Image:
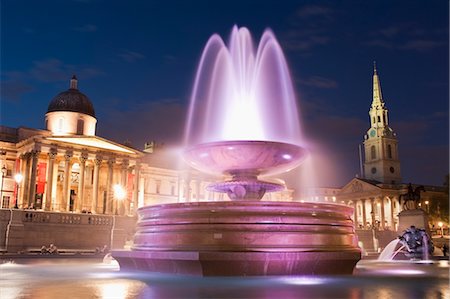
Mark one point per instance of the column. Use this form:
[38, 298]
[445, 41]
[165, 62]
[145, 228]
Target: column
[80, 196]
[22, 189]
[382, 212]
[355, 213]
[48, 194]
[65, 201]
[364, 216]
[122, 205]
[32, 190]
[392, 214]
[109, 181]
[26, 179]
[136, 187]
[97, 164]
[372, 213]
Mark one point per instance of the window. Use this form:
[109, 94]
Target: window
[373, 153]
[5, 202]
[80, 127]
[389, 151]
[374, 170]
[384, 118]
[60, 124]
[379, 118]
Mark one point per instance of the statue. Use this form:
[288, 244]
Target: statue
[417, 243]
[412, 197]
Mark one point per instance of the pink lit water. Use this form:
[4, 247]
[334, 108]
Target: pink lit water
[243, 92]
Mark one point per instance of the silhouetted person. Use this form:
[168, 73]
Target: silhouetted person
[445, 249]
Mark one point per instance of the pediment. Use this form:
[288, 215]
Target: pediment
[357, 185]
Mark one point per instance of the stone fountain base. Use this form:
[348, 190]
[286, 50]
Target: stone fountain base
[243, 238]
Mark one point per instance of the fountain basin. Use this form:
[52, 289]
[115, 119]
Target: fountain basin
[244, 161]
[245, 158]
[243, 238]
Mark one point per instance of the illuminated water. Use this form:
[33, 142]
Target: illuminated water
[69, 279]
[242, 92]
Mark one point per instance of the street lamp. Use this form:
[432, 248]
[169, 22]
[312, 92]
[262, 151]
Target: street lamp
[4, 170]
[119, 193]
[18, 178]
[440, 224]
[427, 206]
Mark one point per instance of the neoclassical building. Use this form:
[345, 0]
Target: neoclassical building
[67, 167]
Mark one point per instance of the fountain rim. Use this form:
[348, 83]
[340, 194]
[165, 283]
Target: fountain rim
[239, 142]
[317, 206]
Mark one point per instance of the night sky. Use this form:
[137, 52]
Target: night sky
[136, 61]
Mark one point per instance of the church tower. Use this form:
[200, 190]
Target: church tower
[381, 161]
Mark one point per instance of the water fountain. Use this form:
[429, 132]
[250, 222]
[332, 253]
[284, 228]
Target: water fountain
[243, 125]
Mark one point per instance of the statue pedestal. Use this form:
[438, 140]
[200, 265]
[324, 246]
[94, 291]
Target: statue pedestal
[416, 217]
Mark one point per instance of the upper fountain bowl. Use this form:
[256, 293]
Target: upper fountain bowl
[245, 158]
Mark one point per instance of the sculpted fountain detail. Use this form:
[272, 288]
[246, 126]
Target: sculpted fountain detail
[243, 125]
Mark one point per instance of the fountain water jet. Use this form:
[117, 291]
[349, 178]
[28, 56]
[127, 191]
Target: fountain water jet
[243, 124]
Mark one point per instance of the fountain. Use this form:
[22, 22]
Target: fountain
[243, 125]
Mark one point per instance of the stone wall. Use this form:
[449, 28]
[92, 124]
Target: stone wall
[22, 230]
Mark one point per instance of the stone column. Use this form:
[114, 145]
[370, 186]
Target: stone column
[372, 213]
[32, 191]
[355, 213]
[392, 214]
[48, 194]
[109, 181]
[382, 213]
[97, 164]
[65, 202]
[136, 187]
[23, 189]
[122, 205]
[364, 216]
[80, 196]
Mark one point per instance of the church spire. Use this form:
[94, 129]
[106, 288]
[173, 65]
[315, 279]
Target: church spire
[377, 96]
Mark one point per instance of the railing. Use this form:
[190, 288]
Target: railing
[65, 218]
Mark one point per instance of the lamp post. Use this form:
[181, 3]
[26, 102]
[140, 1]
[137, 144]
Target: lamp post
[119, 194]
[427, 205]
[3, 179]
[18, 178]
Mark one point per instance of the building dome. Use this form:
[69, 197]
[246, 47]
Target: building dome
[72, 100]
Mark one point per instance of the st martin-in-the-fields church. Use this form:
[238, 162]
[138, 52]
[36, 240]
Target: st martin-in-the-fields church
[377, 196]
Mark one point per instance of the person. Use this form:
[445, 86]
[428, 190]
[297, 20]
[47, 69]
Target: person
[445, 249]
[44, 250]
[52, 249]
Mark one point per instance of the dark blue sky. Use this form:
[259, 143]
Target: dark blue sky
[136, 61]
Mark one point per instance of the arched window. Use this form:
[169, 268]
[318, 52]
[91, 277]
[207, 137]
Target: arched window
[80, 127]
[389, 151]
[373, 153]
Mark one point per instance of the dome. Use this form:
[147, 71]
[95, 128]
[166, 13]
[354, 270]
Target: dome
[72, 100]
